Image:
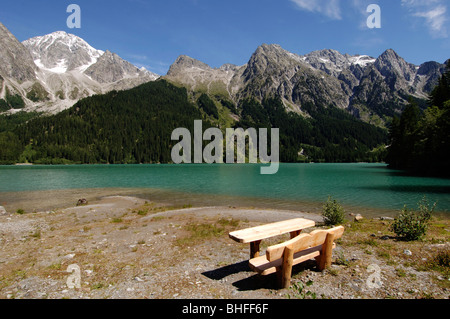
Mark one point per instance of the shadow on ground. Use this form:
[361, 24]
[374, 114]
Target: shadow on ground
[252, 280]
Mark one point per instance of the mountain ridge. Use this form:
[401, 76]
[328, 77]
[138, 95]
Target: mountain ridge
[372, 89]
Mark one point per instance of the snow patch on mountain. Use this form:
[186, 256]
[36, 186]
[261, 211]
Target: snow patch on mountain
[362, 60]
[61, 66]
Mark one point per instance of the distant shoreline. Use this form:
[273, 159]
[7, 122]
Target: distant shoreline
[50, 200]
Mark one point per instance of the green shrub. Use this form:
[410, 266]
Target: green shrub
[4, 105]
[441, 263]
[299, 291]
[333, 213]
[37, 93]
[11, 102]
[14, 101]
[412, 225]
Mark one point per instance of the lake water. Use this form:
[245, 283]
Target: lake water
[366, 188]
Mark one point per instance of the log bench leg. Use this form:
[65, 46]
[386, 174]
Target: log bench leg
[284, 272]
[286, 268]
[254, 249]
[326, 253]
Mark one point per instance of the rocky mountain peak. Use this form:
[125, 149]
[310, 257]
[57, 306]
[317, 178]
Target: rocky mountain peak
[389, 61]
[229, 67]
[268, 48]
[111, 68]
[275, 54]
[329, 54]
[185, 63]
[51, 73]
[271, 59]
[389, 54]
[60, 52]
[334, 63]
[429, 67]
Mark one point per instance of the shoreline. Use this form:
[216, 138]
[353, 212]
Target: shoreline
[50, 200]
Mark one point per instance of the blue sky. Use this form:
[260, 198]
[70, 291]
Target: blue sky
[153, 33]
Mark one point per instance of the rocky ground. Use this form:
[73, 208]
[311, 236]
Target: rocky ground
[126, 248]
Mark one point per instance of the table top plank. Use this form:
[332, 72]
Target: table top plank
[270, 230]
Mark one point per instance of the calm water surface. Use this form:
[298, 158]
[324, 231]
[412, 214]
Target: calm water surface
[369, 188]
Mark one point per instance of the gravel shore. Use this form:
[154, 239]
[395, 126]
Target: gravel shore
[122, 247]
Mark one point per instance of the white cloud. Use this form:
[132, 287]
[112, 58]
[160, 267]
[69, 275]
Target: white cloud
[435, 19]
[329, 8]
[433, 11]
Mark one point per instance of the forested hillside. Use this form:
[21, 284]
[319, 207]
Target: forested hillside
[328, 135]
[135, 126]
[131, 126]
[420, 140]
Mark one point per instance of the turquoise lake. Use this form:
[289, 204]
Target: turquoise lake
[369, 188]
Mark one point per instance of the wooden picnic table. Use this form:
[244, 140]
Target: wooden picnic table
[255, 235]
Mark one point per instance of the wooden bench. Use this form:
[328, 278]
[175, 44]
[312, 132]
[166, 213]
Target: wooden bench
[255, 235]
[280, 258]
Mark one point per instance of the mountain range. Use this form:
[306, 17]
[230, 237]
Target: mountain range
[51, 73]
[373, 89]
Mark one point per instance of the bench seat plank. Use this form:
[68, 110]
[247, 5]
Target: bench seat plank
[270, 230]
